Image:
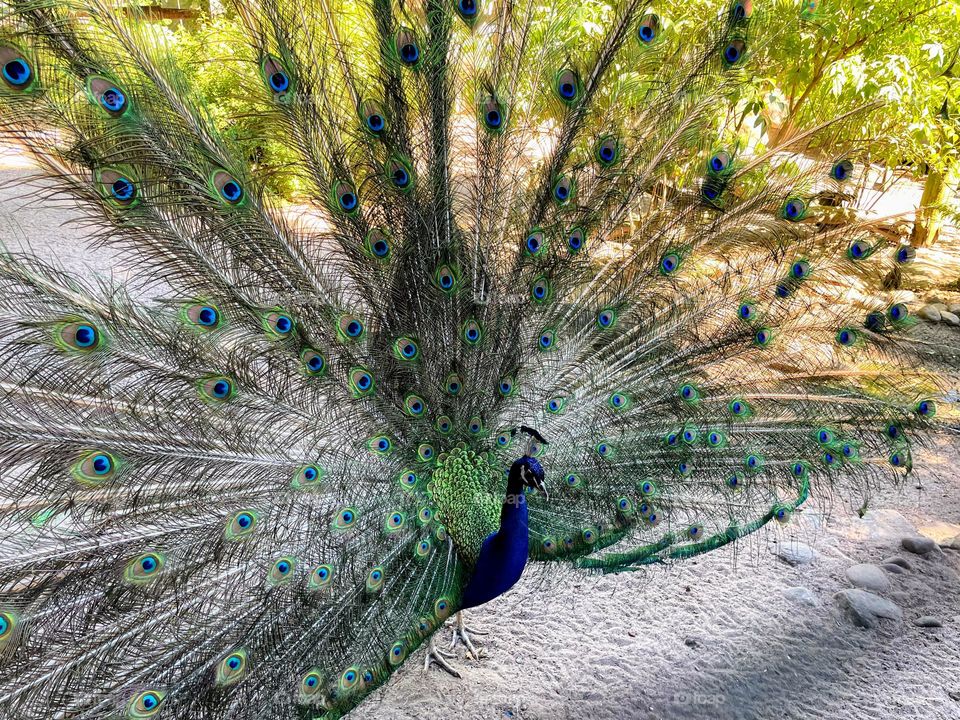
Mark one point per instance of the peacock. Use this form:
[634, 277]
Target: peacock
[552, 303]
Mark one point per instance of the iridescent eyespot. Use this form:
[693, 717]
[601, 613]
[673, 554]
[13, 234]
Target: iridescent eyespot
[606, 318]
[311, 684]
[695, 532]
[349, 679]
[453, 384]
[619, 401]
[672, 439]
[374, 117]
[825, 436]
[468, 10]
[753, 463]
[474, 426]
[683, 469]
[227, 187]
[444, 425]
[205, 316]
[399, 173]
[145, 704]
[321, 577]
[763, 337]
[307, 476]
[547, 340]
[408, 49]
[118, 188]
[648, 488]
[716, 439]
[407, 479]
[900, 458]
[240, 525]
[350, 327]
[846, 337]
[276, 77]
[733, 482]
[556, 405]
[689, 393]
[442, 608]
[493, 114]
[232, 668]
[563, 190]
[905, 254]
[504, 439]
[16, 69]
[625, 506]
[926, 408]
[800, 270]
[424, 516]
[446, 278]
[345, 519]
[414, 405]
[143, 569]
[423, 549]
[471, 332]
[109, 97]
[426, 452]
[549, 545]
[607, 151]
[669, 263]
[278, 324]
[344, 198]
[894, 431]
[850, 451]
[794, 209]
[898, 313]
[734, 52]
[540, 290]
[394, 521]
[739, 407]
[746, 311]
[720, 163]
[377, 243]
[94, 468]
[690, 435]
[781, 513]
[375, 580]
[859, 250]
[605, 450]
[567, 85]
[216, 389]
[398, 651]
[282, 571]
[361, 382]
[589, 535]
[381, 445]
[314, 364]
[506, 387]
[406, 349]
[842, 170]
[783, 290]
[649, 28]
[535, 243]
[575, 239]
[799, 469]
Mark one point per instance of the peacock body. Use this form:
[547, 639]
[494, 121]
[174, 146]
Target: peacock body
[256, 492]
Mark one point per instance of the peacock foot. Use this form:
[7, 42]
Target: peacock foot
[462, 634]
[436, 656]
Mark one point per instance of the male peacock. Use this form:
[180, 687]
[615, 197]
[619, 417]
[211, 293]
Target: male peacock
[559, 307]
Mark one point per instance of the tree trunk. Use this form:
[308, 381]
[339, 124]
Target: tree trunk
[926, 227]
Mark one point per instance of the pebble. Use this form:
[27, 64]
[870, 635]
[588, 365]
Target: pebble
[899, 561]
[929, 312]
[866, 609]
[796, 553]
[895, 569]
[919, 545]
[928, 621]
[868, 576]
[949, 318]
[954, 308]
[801, 595]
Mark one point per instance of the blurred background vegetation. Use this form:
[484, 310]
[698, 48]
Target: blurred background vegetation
[816, 60]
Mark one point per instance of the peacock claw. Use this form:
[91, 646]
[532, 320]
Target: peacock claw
[462, 635]
[435, 655]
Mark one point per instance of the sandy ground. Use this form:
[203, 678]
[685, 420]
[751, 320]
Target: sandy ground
[729, 635]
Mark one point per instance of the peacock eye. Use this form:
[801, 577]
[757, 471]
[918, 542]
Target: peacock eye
[349, 678]
[345, 198]
[846, 337]
[926, 408]
[607, 151]
[321, 577]
[493, 114]
[228, 188]
[506, 386]
[540, 290]
[240, 525]
[467, 9]
[107, 95]
[425, 451]
[375, 580]
[669, 263]
[361, 382]
[276, 77]
[406, 349]
[345, 519]
[762, 337]
[575, 240]
[446, 278]
[720, 163]
[858, 250]
[842, 170]
[794, 210]
[278, 324]
[740, 11]
[649, 28]
[474, 425]
[314, 364]
[414, 405]
[399, 173]
[800, 270]
[898, 312]
[408, 49]
[394, 521]
[217, 389]
[311, 684]
[282, 571]
[377, 243]
[563, 190]
[606, 318]
[232, 668]
[472, 333]
[734, 51]
[535, 243]
[556, 405]
[781, 514]
[567, 86]
[453, 384]
[350, 327]
[17, 72]
[547, 340]
[905, 254]
[202, 315]
[145, 704]
[118, 188]
[374, 117]
[143, 569]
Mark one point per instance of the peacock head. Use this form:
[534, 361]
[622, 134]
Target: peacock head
[528, 472]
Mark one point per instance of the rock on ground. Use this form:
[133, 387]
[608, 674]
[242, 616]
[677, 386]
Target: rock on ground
[869, 577]
[866, 609]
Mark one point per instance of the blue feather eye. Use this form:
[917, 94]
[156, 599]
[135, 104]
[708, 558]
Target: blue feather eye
[506, 386]
[361, 382]
[426, 451]
[408, 49]
[763, 337]
[374, 117]
[926, 408]
[145, 704]
[619, 401]
[556, 405]
[311, 685]
[739, 408]
[453, 384]
[648, 29]
[216, 388]
[406, 349]
[669, 263]
[345, 519]
[689, 393]
[607, 152]
[444, 425]
[540, 290]
[468, 10]
[400, 173]
[278, 324]
[381, 445]
[747, 311]
[711, 189]
[800, 270]
[78, 336]
[781, 513]
[846, 337]
[118, 188]
[740, 11]
[547, 339]
[349, 327]
[563, 190]
[414, 405]
[606, 318]
[493, 114]
[898, 313]
[203, 315]
[535, 243]
[905, 254]
[859, 250]
[734, 52]
[475, 425]
[232, 668]
[794, 210]
[471, 332]
[344, 198]
[575, 240]
[107, 95]
[17, 72]
[240, 525]
[307, 476]
[567, 85]
[277, 78]
[314, 364]
[875, 321]
[720, 163]
[842, 170]
[143, 569]
[377, 243]
[447, 278]
[227, 187]
[94, 468]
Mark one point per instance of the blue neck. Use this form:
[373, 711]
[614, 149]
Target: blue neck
[504, 553]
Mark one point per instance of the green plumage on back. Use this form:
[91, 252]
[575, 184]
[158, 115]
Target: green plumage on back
[468, 493]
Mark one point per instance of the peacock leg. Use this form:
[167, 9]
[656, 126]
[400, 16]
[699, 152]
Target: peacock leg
[462, 634]
[435, 655]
